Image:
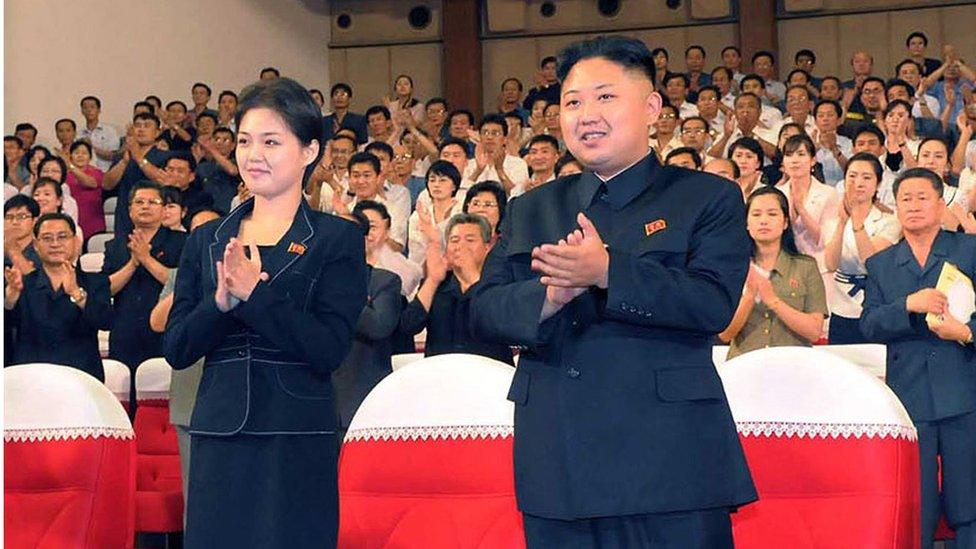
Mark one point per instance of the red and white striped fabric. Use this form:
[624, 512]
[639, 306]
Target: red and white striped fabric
[427, 461]
[831, 449]
[69, 461]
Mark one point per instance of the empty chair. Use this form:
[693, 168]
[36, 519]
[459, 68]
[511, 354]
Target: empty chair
[92, 262]
[109, 205]
[117, 379]
[96, 243]
[399, 361]
[103, 343]
[159, 488]
[427, 461]
[832, 452]
[110, 223]
[69, 461]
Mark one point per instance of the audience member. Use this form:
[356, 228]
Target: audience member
[695, 66]
[684, 157]
[428, 222]
[85, 182]
[747, 154]
[488, 200]
[341, 117]
[542, 157]
[66, 132]
[833, 149]
[491, 162]
[723, 167]
[732, 60]
[547, 84]
[676, 88]
[218, 172]
[764, 64]
[141, 159]
[19, 213]
[769, 115]
[200, 94]
[664, 139]
[916, 43]
[378, 252]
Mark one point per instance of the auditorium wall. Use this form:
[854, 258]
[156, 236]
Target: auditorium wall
[55, 51]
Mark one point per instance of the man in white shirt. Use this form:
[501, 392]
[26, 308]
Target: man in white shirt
[676, 88]
[732, 60]
[336, 172]
[103, 138]
[764, 64]
[925, 106]
[745, 124]
[365, 184]
[710, 108]
[542, 157]
[722, 79]
[799, 103]
[833, 149]
[769, 116]
[491, 162]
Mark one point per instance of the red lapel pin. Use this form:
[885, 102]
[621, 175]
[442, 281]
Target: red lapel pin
[655, 226]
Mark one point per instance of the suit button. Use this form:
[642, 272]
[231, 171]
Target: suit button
[573, 373]
[575, 323]
[242, 353]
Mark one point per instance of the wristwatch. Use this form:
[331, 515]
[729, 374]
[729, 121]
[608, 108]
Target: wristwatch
[82, 294]
[144, 161]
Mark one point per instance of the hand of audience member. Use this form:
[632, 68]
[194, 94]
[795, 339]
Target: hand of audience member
[15, 285]
[848, 96]
[962, 121]
[760, 286]
[426, 222]
[798, 198]
[537, 123]
[481, 157]
[435, 263]
[565, 265]
[540, 79]
[139, 246]
[948, 328]
[339, 206]
[859, 213]
[927, 300]
[827, 140]
[498, 160]
[69, 282]
[950, 96]
[242, 274]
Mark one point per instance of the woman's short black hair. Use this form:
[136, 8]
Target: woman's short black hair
[795, 142]
[494, 188]
[892, 105]
[171, 195]
[787, 240]
[293, 104]
[870, 159]
[48, 182]
[55, 216]
[833, 104]
[750, 144]
[57, 160]
[629, 53]
[79, 144]
[381, 146]
[917, 34]
[565, 159]
[377, 207]
[445, 169]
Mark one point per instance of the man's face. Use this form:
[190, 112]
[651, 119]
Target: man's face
[722, 167]
[694, 134]
[720, 79]
[869, 143]
[542, 157]
[492, 137]
[378, 124]
[179, 173]
[55, 243]
[763, 66]
[510, 91]
[177, 113]
[364, 182]
[403, 161]
[436, 113]
[676, 91]
[896, 93]
[12, 151]
[797, 79]
[918, 206]
[549, 72]
[90, 110]
[224, 142]
[805, 62]
[18, 222]
[682, 160]
[752, 86]
[455, 155]
[227, 104]
[798, 104]
[871, 95]
[695, 60]
[386, 164]
[145, 131]
[200, 95]
[340, 99]
[731, 59]
[830, 89]
[708, 104]
[205, 126]
[28, 137]
[827, 119]
[606, 111]
[342, 149]
[146, 209]
[460, 125]
[909, 73]
[747, 112]
[465, 246]
[861, 64]
[66, 132]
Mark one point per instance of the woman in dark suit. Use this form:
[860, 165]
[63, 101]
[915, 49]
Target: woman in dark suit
[270, 295]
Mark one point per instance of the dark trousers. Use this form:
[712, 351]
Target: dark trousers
[954, 439]
[845, 331]
[706, 529]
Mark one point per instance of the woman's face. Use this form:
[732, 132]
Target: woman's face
[403, 86]
[552, 117]
[766, 222]
[80, 157]
[485, 204]
[35, 160]
[746, 160]
[172, 215]
[934, 156]
[538, 108]
[860, 181]
[52, 170]
[798, 163]
[440, 187]
[660, 61]
[897, 117]
[789, 132]
[272, 160]
[47, 199]
[378, 230]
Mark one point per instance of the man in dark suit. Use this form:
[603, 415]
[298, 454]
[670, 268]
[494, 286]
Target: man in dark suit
[341, 117]
[931, 364]
[623, 434]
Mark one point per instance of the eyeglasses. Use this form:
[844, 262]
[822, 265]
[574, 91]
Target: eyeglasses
[693, 131]
[17, 217]
[483, 204]
[147, 202]
[435, 111]
[340, 93]
[707, 99]
[552, 115]
[49, 238]
[405, 156]
[668, 116]
[492, 133]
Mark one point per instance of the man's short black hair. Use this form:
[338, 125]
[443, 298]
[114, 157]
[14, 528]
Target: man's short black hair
[805, 89]
[567, 158]
[919, 173]
[270, 69]
[145, 104]
[695, 47]
[461, 112]
[677, 76]
[799, 71]
[151, 98]
[764, 53]
[884, 86]
[497, 119]
[204, 86]
[748, 95]
[711, 88]
[206, 114]
[722, 68]
[452, 141]
[546, 60]
[68, 120]
[656, 51]
[830, 77]
[733, 48]
[871, 129]
[224, 129]
[183, 156]
[629, 53]
[98, 102]
[917, 34]
[175, 103]
[378, 109]
[225, 93]
[341, 86]
[695, 157]
[834, 104]
[512, 79]
[380, 146]
[444, 168]
[377, 207]
[147, 116]
[436, 101]
[365, 158]
[144, 184]
[54, 216]
[696, 118]
[805, 53]
[752, 76]
[15, 139]
[22, 201]
[894, 82]
[25, 127]
[544, 138]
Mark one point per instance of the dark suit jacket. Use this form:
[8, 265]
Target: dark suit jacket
[618, 407]
[934, 379]
[370, 359]
[52, 329]
[269, 360]
[354, 121]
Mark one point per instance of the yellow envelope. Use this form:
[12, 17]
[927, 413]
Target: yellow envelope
[958, 288]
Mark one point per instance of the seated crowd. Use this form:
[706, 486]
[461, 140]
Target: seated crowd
[815, 157]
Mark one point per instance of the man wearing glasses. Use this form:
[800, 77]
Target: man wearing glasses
[57, 299]
[137, 264]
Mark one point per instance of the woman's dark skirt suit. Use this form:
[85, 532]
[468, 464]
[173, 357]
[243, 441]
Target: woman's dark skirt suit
[264, 446]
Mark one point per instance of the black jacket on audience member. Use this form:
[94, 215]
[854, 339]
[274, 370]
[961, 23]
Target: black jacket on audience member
[370, 359]
[353, 121]
[52, 329]
[447, 323]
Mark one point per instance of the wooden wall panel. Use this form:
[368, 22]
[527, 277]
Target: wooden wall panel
[382, 22]
[423, 63]
[368, 71]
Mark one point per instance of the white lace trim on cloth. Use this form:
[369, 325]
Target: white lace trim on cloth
[824, 430]
[65, 433]
[428, 432]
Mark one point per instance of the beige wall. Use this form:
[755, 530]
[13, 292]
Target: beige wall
[56, 51]
[371, 70]
[834, 38]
